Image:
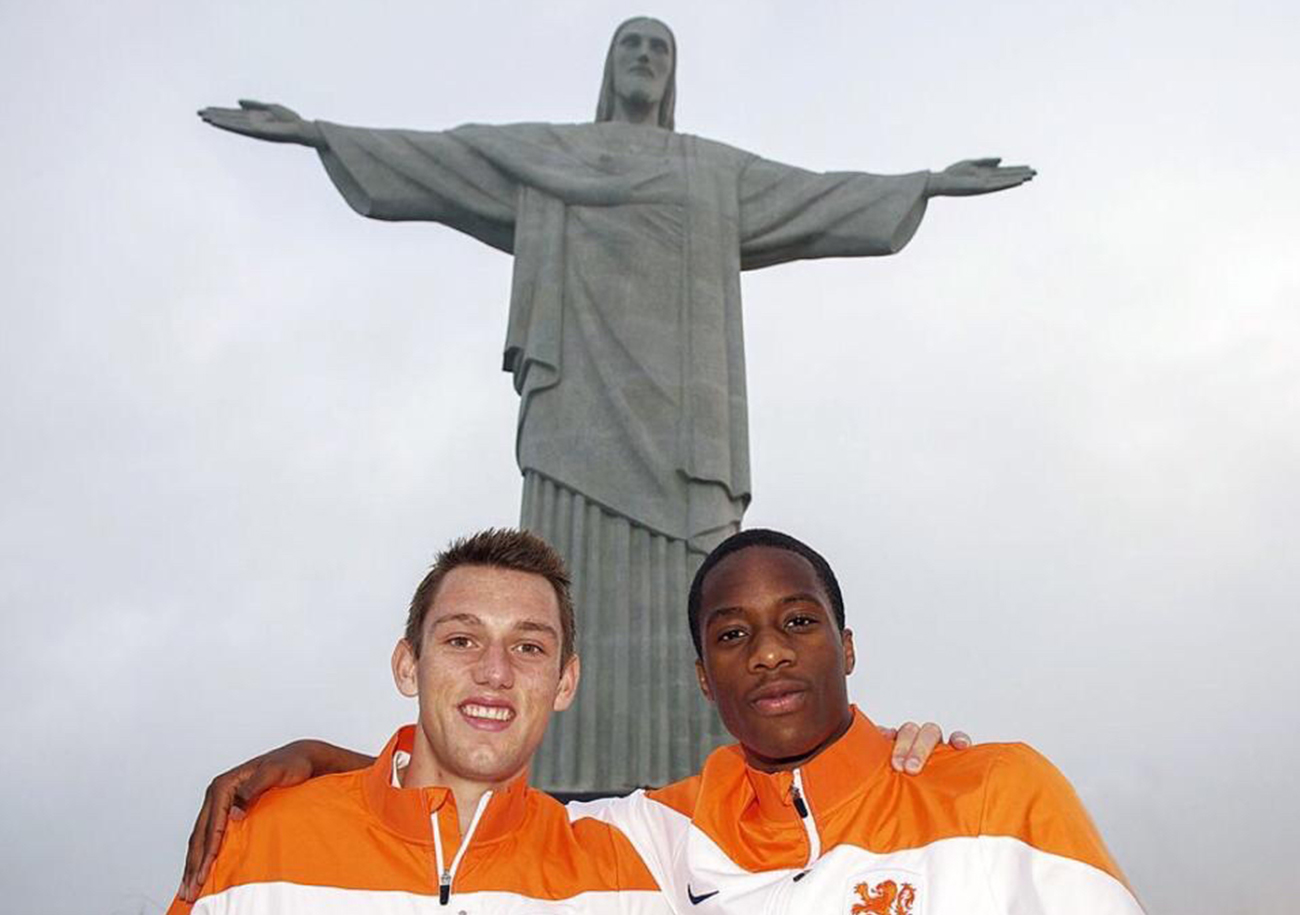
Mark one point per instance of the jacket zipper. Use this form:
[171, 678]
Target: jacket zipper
[448, 873]
[805, 815]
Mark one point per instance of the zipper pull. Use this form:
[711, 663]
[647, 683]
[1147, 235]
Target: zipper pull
[444, 887]
[799, 805]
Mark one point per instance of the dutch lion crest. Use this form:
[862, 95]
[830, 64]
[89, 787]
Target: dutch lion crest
[885, 898]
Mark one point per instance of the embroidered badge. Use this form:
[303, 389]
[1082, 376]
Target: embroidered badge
[885, 897]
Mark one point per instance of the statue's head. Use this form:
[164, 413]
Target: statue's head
[640, 69]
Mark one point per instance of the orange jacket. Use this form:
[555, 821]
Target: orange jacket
[992, 829]
[352, 843]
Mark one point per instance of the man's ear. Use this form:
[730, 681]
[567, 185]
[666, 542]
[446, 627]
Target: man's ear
[704, 681]
[850, 657]
[569, 678]
[404, 666]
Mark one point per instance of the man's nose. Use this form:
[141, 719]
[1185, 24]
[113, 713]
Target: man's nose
[770, 649]
[493, 667]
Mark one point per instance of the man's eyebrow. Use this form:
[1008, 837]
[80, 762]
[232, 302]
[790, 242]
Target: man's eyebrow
[467, 618]
[472, 620]
[804, 597]
[721, 612]
[799, 597]
[537, 626]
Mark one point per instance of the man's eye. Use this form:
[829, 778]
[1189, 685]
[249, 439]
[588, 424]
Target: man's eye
[460, 641]
[802, 621]
[530, 648]
[730, 635]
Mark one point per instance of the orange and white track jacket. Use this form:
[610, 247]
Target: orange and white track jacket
[352, 844]
[989, 830]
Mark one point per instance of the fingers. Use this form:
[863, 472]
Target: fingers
[1003, 182]
[1019, 174]
[223, 117]
[913, 746]
[226, 118]
[887, 733]
[206, 837]
[266, 776]
[929, 737]
[216, 828]
[982, 176]
[959, 740]
[194, 851]
[210, 114]
[201, 876]
[1000, 179]
[278, 112]
[903, 746]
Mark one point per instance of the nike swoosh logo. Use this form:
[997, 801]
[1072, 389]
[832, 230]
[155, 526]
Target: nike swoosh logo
[696, 900]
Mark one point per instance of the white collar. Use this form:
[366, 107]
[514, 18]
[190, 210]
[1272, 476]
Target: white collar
[401, 759]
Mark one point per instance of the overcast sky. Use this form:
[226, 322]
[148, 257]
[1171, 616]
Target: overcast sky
[1053, 448]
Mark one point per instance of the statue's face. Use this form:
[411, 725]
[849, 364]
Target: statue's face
[643, 58]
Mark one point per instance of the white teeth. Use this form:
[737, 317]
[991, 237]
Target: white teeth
[495, 713]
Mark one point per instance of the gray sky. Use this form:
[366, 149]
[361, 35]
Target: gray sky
[1052, 448]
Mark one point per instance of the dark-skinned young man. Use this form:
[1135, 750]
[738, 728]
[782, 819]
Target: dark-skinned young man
[805, 813]
[806, 711]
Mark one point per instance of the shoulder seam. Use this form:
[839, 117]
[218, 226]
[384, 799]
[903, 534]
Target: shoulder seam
[979, 832]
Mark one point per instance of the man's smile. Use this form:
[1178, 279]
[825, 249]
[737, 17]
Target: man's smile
[486, 713]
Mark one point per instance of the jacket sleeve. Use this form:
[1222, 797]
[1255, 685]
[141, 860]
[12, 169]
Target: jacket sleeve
[655, 832]
[1039, 847]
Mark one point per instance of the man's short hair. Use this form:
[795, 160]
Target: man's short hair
[497, 548]
[760, 536]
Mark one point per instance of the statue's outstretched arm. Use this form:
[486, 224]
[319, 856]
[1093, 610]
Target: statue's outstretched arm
[976, 176]
[263, 121]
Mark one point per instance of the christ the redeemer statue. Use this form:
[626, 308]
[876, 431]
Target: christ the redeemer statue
[624, 340]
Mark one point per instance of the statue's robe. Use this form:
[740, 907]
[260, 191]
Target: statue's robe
[626, 347]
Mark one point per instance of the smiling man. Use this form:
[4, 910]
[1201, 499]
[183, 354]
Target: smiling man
[805, 813]
[488, 653]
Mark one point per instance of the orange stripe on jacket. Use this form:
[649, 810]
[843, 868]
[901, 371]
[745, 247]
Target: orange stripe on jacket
[858, 799]
[356, 831]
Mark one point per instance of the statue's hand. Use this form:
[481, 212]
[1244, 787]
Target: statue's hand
[977, 176]
[275, 123]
